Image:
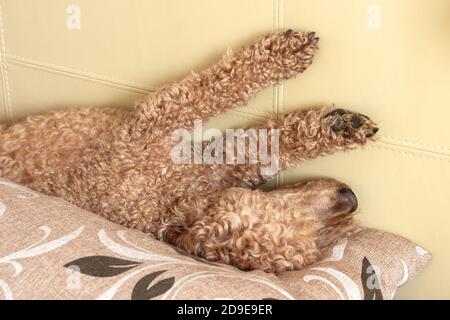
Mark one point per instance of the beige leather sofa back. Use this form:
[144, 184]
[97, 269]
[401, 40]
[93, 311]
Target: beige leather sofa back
[388, 59]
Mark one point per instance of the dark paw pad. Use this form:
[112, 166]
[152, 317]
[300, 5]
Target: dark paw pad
[338, 125]
[356, 121]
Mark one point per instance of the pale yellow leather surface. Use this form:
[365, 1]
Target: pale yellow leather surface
[398, 74]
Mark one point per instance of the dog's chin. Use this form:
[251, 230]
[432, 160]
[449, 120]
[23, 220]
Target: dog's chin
[341, 211]
[340, 216]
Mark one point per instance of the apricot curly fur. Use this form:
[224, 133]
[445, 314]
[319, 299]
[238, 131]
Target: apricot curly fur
[117, 164]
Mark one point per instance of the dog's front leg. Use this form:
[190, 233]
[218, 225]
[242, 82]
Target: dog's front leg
[310, 133]
[254, 155]
[231, 82]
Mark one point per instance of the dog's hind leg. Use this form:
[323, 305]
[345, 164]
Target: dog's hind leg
[44, 145]
[229, 83]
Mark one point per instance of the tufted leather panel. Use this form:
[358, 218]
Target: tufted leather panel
[388, 59]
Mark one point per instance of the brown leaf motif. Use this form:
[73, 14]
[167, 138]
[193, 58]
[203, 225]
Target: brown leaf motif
[102, 266]
[144, 291]
[370, 281]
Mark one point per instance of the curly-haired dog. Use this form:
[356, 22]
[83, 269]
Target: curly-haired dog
[117, 164]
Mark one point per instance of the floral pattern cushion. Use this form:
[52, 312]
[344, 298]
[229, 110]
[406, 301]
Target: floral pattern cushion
[50, 249]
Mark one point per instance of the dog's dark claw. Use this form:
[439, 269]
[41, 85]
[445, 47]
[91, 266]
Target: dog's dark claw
[372, 133]
[289, 33]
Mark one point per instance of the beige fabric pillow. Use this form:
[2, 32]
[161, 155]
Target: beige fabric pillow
[50, 249]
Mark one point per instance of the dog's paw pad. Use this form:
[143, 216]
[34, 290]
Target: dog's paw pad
[356, 121]
[350, 125]
[292, 49]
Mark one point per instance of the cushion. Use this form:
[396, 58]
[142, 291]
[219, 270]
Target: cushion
[51, 249]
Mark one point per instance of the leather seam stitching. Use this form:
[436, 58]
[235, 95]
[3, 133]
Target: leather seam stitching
[245, 115]
[6, 94]
[416, 143]
[79, 74]
[413, 153]
[278, 22]
[95, 78]
[100, 79]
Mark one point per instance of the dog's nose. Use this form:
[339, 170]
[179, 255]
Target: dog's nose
[348, 196]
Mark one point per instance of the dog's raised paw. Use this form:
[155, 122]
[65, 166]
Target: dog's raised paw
[292, 50]
[351, 125]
